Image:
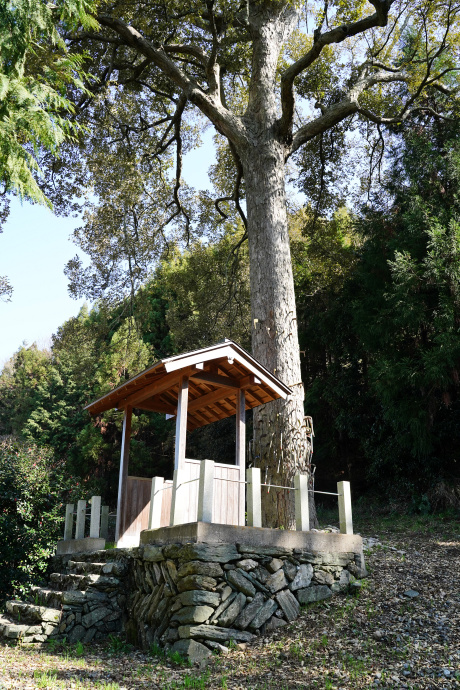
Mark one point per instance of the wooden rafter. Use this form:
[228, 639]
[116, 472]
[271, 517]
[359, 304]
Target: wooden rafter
[154, 388]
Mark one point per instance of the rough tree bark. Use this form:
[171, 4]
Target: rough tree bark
[280, 443]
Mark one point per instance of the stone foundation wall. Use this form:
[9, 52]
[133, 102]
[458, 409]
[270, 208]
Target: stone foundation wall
[193, 598]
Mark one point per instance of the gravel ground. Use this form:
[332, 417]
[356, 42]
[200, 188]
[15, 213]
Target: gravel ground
[401, 630]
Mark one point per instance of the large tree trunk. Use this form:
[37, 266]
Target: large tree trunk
[281, 446]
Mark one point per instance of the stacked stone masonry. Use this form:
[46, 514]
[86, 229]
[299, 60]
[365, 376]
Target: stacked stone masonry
[190, 598]
[193, 598]
[85, 601]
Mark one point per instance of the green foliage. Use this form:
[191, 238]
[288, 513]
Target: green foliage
[388, 383]
[33, 488]
[207, 289]
[33, 101]
[117, 645]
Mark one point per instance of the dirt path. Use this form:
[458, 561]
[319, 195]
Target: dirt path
[385, 637]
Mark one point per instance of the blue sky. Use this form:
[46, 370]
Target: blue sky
[34, 247]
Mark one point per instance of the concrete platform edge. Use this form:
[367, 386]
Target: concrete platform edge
[211, 533]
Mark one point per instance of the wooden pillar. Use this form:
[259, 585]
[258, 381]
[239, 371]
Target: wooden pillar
[181, 423]
[178, 498]
[240, 455]
[345, 516]
[95, 524]
[156, 502]
[205, 491]
[123, 475]
[302, 514]
[254, 497]
[68, 529]
[81, 517]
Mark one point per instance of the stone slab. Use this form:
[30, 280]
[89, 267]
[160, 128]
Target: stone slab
[200, 568]
[212, 533]
[231, 612]
[87, 545]
[265, 612]
[289, 604]
[303, 577]
[198, 597]
[193, 614]
[196, 582]
[213, 632]
[277, 581]
[224, 605]
[240, 582]
[192, 650]
[313, 593]
[250, 612]
[153, 553]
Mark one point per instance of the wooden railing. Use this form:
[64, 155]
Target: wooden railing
[196, 494]
[205, 487]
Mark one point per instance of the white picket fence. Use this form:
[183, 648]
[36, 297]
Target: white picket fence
[253, 498]
[99, 520]
[99, 515]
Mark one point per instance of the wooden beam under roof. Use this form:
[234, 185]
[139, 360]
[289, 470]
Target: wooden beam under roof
[216, 379]
[210, 398]
[155, 405]
[154, 388]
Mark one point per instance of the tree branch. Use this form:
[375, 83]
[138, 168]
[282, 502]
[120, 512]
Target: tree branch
[235, 197]
[329, 118]
[337, 35]
[225, 121]
[349, 105]
[195, 51]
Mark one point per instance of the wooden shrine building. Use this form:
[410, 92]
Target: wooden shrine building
[197, 388]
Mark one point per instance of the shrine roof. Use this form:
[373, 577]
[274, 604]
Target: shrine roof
[216, 374]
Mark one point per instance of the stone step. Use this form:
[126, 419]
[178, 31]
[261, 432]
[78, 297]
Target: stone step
[41, 596]
[75, 581]
[55, 598]
[61, 581]
[26, 633]
[12, 630]
[85, 567]
[25, 612]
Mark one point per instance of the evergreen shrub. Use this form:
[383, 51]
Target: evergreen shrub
[32, 492]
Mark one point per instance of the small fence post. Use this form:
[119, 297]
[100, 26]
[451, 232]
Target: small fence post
[254, 498]
[105, 522]
[68, 528]
[81, 515]
[302, 514]
[345, 516]
[177, 499]
[95, 524]
[206, 491]
[156, 502]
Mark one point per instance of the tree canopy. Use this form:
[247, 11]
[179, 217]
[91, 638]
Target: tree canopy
[332, 75]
